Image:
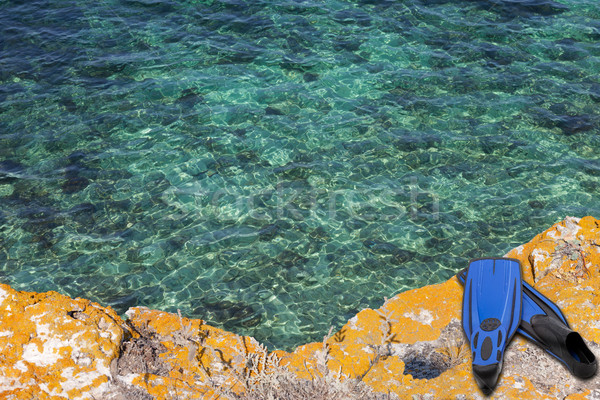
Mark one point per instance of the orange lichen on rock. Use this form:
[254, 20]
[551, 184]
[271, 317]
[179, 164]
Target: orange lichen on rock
[197, 356]
[564, 263]
[52, 345]
[55, 347]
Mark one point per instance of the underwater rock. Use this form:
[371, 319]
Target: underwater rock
[310, 77]
[223, 163]
[345, 44]
[359, 147]
[73, 171]
[295, 170]
[75, 157]
[43, 241]
[75, 184]
[591, 167]
[536, 204]
[511, 9]
[571, 125]
[158, 6]
[8, 171]
[189, 98]
[439, 60]
[293, 63]
[253, 24]
[233, 312]
[379, 247]
[156, 182]
[401, 256]
[568, 50]
[83, 213]
[247, 156]
[558, 115]
[590, 186]
[269, 232]
[352, 17]
[103, 68]
[240, 132]
[238, 55]
[415, 141]
[353, 224]
[440, 245]
[288, 259]
[319, 234]
[69, 104]
[498, 55]
[594, 91]
[40, 220]
[273, 111]
[293, 43]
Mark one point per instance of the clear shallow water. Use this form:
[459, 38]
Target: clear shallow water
[274, 167]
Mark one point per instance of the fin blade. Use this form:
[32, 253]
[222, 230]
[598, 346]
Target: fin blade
[491, 314]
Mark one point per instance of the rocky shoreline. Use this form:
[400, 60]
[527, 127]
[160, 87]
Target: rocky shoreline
[55, 347]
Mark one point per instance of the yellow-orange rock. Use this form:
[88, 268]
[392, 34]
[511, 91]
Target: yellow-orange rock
[52, 346]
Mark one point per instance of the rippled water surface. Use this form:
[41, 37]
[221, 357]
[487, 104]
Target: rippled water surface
[273, 167]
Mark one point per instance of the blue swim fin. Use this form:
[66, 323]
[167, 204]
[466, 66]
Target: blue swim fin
[543, 323]
[491, 314]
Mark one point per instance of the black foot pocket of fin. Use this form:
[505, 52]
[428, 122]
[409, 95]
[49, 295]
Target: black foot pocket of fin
[566, 345]
[487, 376]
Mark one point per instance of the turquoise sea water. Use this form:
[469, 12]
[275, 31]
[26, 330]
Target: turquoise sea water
[273, 167]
